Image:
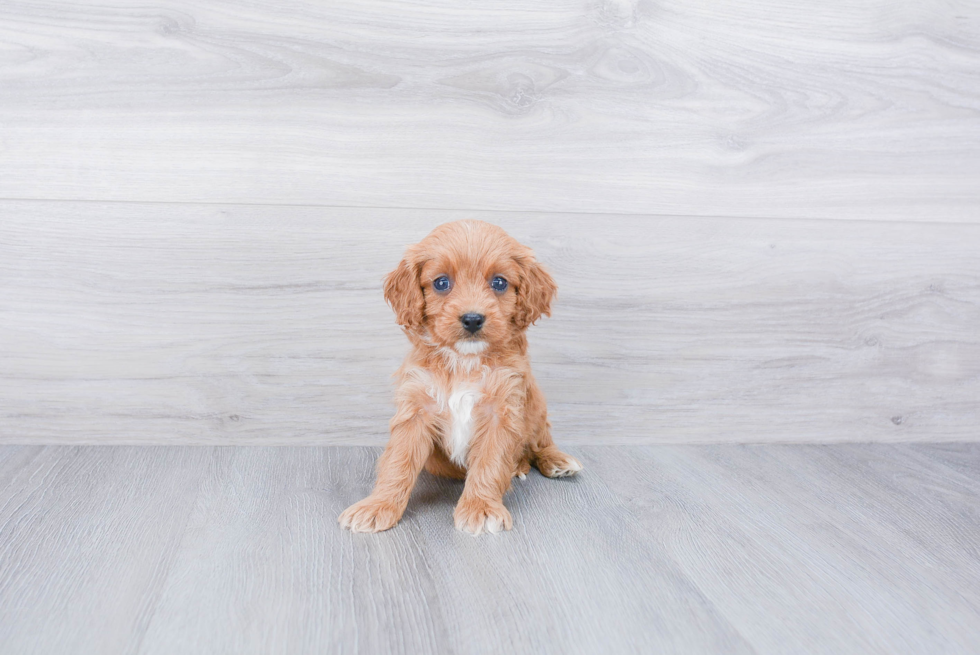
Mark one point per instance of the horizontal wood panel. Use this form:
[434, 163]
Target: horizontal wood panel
[171, 323]
[840, 109]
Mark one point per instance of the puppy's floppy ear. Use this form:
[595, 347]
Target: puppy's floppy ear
[403, 291]
[535, 291]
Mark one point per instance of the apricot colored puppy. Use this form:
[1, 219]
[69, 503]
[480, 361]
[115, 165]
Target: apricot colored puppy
[468, 406]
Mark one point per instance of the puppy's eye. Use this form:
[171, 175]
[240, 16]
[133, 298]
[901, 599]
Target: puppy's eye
[441, 284]
[499, 284]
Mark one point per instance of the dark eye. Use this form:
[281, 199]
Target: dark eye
[441, 283]
[498, 283]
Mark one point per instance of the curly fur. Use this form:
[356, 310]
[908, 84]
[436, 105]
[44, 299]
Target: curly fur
[467, 404]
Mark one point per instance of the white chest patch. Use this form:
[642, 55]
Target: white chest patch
[461, 403]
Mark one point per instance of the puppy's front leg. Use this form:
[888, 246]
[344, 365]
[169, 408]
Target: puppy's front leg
[398, 467]
[491, 463]
[490, 469]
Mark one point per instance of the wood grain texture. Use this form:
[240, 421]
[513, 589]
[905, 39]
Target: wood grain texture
[279, 565]
[166, 323]
[87, 537]
[845, 110]
[737, 549]
[878, 540]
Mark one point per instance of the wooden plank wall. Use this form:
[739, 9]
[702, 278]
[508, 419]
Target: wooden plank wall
[764, 218]
[755, 108]
[260, 324]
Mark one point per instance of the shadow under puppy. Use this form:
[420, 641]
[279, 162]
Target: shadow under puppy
[467, 404]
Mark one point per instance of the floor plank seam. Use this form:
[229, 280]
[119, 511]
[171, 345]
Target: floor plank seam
[172, 563]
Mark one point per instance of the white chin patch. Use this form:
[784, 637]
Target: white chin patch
[470, 347]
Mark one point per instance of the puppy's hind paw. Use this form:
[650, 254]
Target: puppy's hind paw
[522, 470]
[370, 515]
[556, 464]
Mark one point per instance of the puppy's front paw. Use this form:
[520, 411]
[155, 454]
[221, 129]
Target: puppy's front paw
[479, 516]
[370, 515]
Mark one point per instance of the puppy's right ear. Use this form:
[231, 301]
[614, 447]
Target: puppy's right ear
[403, 291]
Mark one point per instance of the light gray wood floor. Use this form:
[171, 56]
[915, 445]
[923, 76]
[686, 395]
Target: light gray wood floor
[655, 549]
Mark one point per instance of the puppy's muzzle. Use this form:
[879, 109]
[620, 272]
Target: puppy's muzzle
[472, 322]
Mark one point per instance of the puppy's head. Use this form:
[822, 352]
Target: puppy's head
[469, 286]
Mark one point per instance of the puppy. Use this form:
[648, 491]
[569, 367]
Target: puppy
[467, 404]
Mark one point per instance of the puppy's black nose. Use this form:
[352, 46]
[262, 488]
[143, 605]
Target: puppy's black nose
[472, 322]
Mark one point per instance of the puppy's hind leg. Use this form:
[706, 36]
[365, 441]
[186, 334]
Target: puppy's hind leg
[543, 454]
[547, 458]
[555, 464]
[523, 467]
[439, 464]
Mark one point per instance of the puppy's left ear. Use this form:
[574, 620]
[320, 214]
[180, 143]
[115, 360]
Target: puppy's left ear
[535, 291]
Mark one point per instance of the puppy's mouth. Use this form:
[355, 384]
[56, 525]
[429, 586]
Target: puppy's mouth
[470, 346]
